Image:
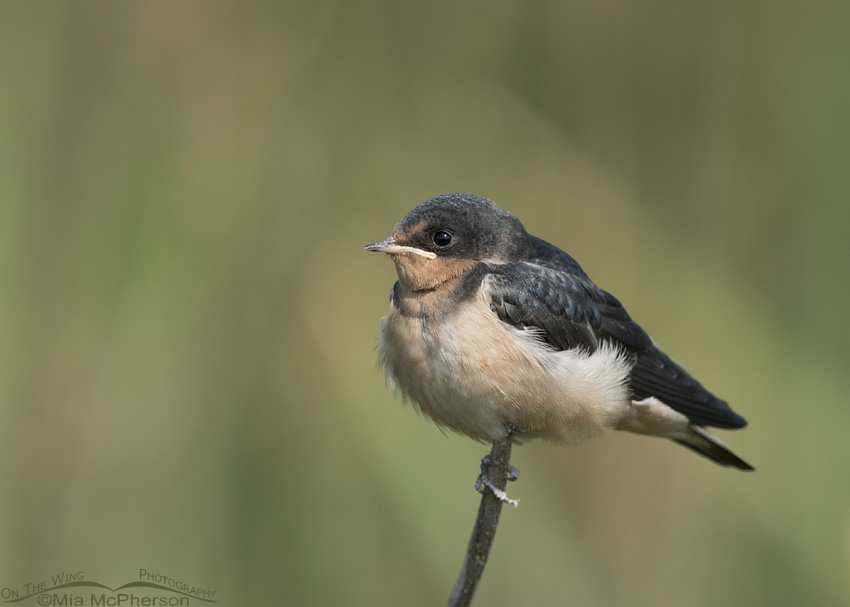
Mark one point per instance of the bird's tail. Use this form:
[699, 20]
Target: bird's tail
[705, 443]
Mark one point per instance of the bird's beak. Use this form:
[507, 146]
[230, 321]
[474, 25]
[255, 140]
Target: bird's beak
[389, 246]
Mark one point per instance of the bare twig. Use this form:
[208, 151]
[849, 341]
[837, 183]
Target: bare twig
[498, 472]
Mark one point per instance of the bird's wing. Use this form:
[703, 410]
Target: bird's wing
[568, 311]
[657, 375]
[566, 308]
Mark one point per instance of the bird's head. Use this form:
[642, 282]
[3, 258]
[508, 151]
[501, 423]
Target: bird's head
[448, 234]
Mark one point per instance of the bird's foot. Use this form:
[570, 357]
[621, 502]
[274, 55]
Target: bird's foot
[483, 483]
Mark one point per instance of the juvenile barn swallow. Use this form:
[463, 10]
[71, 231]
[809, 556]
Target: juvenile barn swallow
[492, 331]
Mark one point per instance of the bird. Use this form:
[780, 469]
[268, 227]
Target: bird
[494, 332]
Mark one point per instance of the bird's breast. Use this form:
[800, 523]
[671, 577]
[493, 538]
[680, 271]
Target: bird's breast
[468, 371]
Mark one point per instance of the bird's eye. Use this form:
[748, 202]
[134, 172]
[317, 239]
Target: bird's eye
[442, 239]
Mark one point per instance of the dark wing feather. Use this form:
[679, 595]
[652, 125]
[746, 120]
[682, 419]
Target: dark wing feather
[553, 295]
[614, 322]
[551, 301]
[656, 374]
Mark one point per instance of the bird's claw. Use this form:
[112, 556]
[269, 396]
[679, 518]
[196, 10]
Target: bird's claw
[483, 483]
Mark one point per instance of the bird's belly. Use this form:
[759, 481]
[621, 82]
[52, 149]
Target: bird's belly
[478, 376]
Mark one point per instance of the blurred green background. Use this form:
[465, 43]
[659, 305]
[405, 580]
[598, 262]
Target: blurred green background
[188, 320]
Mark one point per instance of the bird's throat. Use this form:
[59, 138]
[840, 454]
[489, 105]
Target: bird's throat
[419, 274]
